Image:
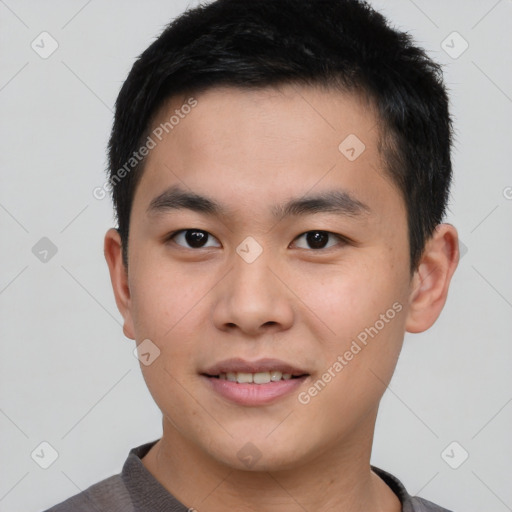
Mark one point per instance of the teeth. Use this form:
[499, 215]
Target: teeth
[261, 378]
[244, 378]
[275, 375]
[256, 378]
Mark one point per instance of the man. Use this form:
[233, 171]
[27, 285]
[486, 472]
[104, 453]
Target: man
[280, 171]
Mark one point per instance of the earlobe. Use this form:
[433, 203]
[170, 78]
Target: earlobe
[113, 250]
[429, 286]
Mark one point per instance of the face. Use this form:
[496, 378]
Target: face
[266, 239]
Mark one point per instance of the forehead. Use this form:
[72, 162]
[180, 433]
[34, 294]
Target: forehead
[285, 116]
[255, 146]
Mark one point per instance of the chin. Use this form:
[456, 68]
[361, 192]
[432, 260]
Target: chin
[260, 453]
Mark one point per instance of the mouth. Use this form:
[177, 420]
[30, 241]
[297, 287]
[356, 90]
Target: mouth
[256, 378]
[254, 383]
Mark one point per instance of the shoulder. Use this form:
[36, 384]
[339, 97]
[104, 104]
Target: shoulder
[409, 503]
[422, 505]
[109, 495]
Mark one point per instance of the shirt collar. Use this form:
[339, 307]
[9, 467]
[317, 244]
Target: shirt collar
[149, 495]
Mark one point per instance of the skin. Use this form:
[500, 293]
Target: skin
[251, 150]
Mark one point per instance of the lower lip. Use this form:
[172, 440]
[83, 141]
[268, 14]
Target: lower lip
[254, 394]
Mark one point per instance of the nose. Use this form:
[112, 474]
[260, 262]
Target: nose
[252, 300]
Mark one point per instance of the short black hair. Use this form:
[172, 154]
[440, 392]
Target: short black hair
[340, 44]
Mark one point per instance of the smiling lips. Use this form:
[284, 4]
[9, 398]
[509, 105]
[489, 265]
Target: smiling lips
[254, 383]
[256, 378]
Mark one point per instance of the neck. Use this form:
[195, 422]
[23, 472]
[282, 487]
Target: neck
[339, 479]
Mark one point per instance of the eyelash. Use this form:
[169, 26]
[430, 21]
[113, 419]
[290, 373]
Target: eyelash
[341, 239]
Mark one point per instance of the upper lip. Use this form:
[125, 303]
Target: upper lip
[236, 365]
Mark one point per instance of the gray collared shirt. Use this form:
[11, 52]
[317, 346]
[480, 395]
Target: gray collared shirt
[135, 489]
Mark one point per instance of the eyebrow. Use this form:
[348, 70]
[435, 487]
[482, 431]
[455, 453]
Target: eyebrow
[333, 201]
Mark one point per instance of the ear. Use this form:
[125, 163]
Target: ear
[113, 249]
[431, 280]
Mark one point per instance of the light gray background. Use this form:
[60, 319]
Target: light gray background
[68, 376]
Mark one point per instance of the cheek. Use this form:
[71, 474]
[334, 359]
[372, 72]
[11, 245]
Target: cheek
[361, 310]
[358, 365]
[167, 309]
[164, 299]
[351, 296]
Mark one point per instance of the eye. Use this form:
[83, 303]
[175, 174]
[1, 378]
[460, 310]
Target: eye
[194, 239]
[317, 240]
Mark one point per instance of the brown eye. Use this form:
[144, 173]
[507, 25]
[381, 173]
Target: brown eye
[318, 240]
[195, 239]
